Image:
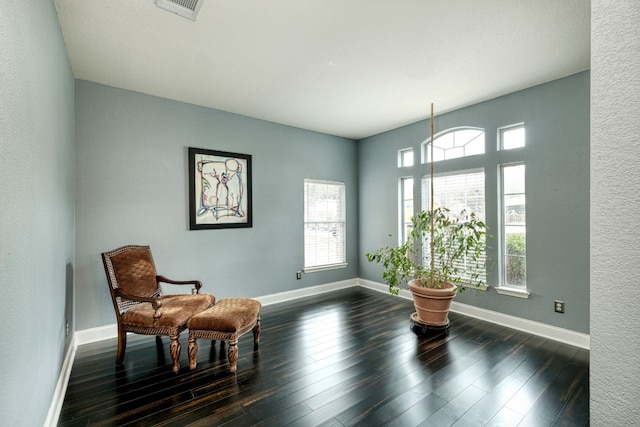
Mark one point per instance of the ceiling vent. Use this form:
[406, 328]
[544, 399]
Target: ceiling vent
[186, 8]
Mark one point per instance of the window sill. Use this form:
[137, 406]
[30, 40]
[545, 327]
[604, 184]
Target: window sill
[317, 268]
[513, 292]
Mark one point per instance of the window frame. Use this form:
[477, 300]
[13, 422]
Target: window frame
[425, 150]
[401, 157]
[490, 162]
[503, 129]
[504, 287]
[342, 263]
[405, 222]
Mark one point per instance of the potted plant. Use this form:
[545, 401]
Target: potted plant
[443, 254]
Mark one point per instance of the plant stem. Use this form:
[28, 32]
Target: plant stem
[432, 242]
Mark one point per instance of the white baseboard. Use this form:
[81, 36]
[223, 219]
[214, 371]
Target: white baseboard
[380, 287]
[306, 292]
[530, 326]
[536, 328]
[102, 333]
[61, 387]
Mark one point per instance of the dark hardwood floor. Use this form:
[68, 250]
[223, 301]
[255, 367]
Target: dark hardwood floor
[346, 358]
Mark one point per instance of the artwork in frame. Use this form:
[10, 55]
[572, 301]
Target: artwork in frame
[219, 189]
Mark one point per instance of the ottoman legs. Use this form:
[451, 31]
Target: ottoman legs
[233, 355]
[192, 351]
[233, 348]
[227, 320]
[256, 332]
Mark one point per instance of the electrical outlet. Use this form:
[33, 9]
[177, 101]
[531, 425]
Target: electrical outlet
[298, 275]
[558, 306]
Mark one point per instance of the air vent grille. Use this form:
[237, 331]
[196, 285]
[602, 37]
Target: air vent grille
[186, 8]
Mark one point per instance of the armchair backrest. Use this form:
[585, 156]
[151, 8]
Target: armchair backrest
[131, 269]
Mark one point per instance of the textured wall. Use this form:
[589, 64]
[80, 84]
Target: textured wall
[615, 214]
[556, 118]
[36, 208]
[132, 189]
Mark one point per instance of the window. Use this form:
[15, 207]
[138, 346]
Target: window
[514, 227]
[512, 137]
[457, 192]
[459, 184]
[324, 225]
[405, 158]
[406, 208]
[455, 143]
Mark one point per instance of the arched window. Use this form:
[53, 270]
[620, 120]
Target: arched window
[454, 143]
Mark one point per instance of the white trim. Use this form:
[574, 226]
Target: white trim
[500, 132]
[324, 181]
[427, 142]
[374, 286]
[311, 259]
[401, 157]
[106, 332]
[380, 287]
[404, 293]
[324, 267]
[530, 326]
[61, 386]
[306, 292]
[102, 333]
[512, 292]
[537, 328]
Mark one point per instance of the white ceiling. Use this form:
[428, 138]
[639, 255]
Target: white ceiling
[351, 68]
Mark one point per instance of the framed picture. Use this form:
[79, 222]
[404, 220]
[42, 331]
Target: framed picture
[219, 189]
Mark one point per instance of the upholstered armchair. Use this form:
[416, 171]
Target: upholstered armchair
[139, 303]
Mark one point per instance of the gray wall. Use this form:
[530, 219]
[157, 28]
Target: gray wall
[37, 201]
[556, 118]
[133, 189]
[615, 198]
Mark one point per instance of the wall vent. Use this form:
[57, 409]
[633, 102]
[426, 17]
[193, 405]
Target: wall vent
[186, 8]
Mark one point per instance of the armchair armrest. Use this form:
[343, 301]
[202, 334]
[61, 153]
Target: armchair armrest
[196, 283]
[155, 302]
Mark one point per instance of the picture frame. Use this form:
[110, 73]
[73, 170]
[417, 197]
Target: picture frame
[219, 189]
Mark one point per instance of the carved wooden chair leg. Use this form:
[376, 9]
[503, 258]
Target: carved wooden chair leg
[175, 352]
[122, 345]
[233, 355]
[193, 352]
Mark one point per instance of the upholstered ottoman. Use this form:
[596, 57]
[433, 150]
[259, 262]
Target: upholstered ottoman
[227, 320]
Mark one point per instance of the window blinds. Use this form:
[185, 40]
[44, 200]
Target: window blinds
[324, 224]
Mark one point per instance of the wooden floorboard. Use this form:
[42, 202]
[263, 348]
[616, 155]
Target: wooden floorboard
[345, 358]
